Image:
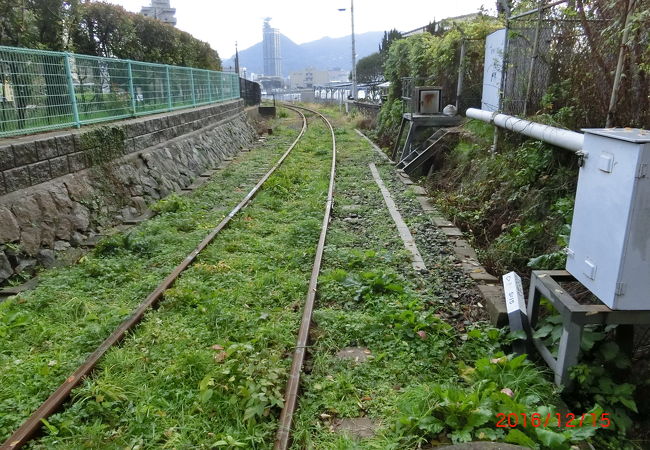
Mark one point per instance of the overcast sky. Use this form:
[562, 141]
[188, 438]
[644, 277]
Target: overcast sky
[222, 22]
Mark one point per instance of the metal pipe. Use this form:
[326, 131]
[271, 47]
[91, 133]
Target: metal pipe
[569, 140]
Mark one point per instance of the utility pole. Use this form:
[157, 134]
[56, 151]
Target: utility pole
[354, 55]
[236, 59]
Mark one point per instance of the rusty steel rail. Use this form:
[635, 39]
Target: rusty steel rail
[33, 424]
[293, 383]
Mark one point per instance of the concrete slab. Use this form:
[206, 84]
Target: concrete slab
[419, 190]
[379, 151]
[442, 222]
[404, 232]
[406, 181]
[359, 427]
[462, 243]
[357, 354]
[495, 303]
[141, 218]
[482, 275]
[451, 231]
[426, 204]
[208, 174]
[465, 252]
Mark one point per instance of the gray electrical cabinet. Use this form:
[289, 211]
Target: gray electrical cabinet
[609, 249]
[427, 100]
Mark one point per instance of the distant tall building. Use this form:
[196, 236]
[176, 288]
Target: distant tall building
[161, 10]
[272, 53]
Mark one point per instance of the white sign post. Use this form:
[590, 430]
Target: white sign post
[516, 306]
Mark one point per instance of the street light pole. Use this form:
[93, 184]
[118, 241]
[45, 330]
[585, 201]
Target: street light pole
[354, 55]
[354, 52]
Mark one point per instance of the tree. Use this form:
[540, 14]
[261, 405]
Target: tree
[386, 41]
[16, 23]
[104, 30]
[370, 69]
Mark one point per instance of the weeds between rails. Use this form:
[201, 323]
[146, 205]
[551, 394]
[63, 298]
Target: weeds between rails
[59, 430]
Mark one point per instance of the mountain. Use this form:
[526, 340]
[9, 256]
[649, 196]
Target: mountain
[326, 53]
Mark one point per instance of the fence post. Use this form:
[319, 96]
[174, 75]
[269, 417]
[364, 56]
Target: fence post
[461, 73]
[131, 90]
[169, 91]
[192, 83]
[210, 85]
[533, 60]
[73, 97]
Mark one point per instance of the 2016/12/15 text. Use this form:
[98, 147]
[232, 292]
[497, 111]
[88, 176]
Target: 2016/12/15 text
[568, 420]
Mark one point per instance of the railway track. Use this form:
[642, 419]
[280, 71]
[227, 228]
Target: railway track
[30, 428]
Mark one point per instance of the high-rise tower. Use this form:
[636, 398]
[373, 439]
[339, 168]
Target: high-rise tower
[161, 10]
[272, 54]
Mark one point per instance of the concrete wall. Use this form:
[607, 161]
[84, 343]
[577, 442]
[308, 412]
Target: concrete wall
[57, 189]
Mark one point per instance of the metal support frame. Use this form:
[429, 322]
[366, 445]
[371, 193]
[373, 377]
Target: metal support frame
[544, 283]
[416, 122]
[399, 138]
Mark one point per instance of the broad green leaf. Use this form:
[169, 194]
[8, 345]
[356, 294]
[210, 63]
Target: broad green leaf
[517, 362]
[550, 438]
[589, 338]
[629, 403]
[609, 350]
[543, 331]
[516, 436]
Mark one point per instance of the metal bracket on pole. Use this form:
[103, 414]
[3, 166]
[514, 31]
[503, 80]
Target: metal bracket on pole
[131, 90]
[73, 96]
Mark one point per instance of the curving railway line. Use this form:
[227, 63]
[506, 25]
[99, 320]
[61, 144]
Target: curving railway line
[58, 399]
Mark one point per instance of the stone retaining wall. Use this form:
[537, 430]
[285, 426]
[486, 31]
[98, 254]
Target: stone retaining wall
[57, 189]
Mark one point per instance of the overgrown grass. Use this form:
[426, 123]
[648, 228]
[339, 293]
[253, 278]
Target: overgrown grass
[425, 383]
[517, 204]
[208, 368]
[48, 332]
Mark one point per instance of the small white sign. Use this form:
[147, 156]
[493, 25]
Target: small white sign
[514, 292]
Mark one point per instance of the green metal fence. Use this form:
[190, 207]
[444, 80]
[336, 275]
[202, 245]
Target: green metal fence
[43, 90]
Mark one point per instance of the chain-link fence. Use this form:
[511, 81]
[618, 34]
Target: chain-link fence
[43, 90]
[561, 61]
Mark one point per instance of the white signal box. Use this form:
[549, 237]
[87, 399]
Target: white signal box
[609, 249]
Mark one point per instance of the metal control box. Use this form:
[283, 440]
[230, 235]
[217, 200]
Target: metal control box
[427, 100]
[609, 249]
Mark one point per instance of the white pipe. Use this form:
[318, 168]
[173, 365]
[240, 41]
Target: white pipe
[566, 139]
